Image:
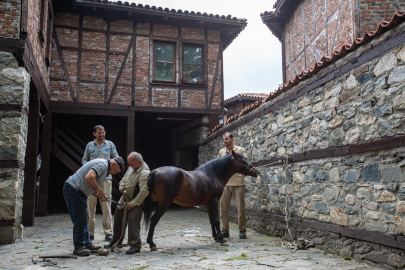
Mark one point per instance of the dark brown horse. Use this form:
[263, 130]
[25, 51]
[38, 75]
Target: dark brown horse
[203, 186]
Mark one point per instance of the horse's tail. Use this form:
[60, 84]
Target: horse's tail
[151, 181]
[147, 208]
[147, 211]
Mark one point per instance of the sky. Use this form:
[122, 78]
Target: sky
[252, 63]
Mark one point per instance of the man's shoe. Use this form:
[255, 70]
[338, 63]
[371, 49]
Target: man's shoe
[90, 246]
[91, 237]
[109, 245]
[132, 251]
[109, 237]
[225, 234]
[81, 251]
[242, 235]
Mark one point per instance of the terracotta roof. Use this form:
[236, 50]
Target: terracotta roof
[325, 61]
[168, 10]
[247, 95]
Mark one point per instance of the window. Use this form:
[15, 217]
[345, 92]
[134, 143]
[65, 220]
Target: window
[164, 62]
[192, 66]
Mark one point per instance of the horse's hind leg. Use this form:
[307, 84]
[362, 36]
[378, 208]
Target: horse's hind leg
[214, 234]
[215, 214]
[162, 207]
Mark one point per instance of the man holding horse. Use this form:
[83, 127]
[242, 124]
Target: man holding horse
[134, 187]
[236, 188]
[84, 183]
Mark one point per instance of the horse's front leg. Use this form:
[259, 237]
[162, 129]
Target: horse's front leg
[214, 234]
[215, 214]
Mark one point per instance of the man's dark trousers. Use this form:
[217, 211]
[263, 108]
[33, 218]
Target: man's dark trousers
[76, 202]
[134, 217]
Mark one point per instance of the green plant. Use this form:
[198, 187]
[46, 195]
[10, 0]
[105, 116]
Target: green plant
[198, 235]
[347, 258]
[241, 257]
[114, 266]
[248, 225]
[317, 251]
[36, 247]
[308, 257]
[226, 250]
[204, 258]
[324, 253]
[178, 248]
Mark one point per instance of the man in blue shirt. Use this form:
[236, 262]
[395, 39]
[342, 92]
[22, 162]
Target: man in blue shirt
[100, 148]
[85, 182]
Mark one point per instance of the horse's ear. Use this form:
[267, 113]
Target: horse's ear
[234, 155]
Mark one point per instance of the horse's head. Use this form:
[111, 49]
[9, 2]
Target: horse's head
[243, 166]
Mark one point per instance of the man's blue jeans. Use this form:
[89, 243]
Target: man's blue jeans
[76, 202]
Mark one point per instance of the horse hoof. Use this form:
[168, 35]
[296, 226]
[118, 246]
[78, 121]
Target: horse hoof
[154, 248]
[225, 244]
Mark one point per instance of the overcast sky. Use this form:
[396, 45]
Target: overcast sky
[252, 63]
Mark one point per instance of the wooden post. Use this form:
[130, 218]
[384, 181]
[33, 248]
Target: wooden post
[214, 120]
[130, 133]
[45, 164]
[30, 183]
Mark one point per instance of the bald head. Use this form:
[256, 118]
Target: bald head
[135, 160]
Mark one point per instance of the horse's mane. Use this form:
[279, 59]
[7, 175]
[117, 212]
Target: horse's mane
[217, 167]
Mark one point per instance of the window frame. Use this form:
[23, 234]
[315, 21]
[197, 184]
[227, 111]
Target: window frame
[194, 45]
[157, 42]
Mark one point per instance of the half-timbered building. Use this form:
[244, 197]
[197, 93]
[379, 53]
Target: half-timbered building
[152, 76]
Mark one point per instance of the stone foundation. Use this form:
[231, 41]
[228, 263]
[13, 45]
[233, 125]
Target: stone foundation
[14, 96]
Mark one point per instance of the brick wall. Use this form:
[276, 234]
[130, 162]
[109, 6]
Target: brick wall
[10, 18]
[93, 66]
[373, 12]
[314, 30]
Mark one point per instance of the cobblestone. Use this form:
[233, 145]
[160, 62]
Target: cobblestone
[53, 235]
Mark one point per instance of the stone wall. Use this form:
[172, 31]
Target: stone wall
[14, 90]
[365, 191]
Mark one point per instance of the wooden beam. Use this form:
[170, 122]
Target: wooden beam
[326, 26]
[336, 26]
[345, 231]
[133, 80]
[30, 182]
[79, 58]
[45, 163]
[62, 61]
[130, 132]
[215, 77]
[107, 62]
[12, 164]
[283, 54]
[214, 120]
[114, 88]
[24, 17]
[179, 66]
[222, 72]
[92, 30]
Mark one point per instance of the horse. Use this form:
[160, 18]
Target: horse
[203, 186]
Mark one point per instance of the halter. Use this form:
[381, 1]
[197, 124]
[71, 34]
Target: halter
[239, 165]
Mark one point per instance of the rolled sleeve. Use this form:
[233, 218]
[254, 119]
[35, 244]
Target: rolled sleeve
[143, 190]
[114, 152]
[100, 168]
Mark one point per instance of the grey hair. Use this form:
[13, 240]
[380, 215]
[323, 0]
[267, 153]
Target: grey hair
[136, 155]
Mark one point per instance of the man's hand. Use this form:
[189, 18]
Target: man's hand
[128, 207]
[122, 188]
[101, 195]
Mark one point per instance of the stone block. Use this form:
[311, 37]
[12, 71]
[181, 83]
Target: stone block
[365, 121]
[401, 207]
[346, 96]
[334, 175]
[309, 176]
[397, 75]
[338, 216]
[353, 136]
[376, 226]
[350, 199]
[351, 82]
[386, 63]
[370, 173]
[335, 123]
[375, 86]
[387, 196]
[387, 207]
[305, 102]
[332, 103]
[318, 107]
[399, 102]
[364, 193]
[369, 205]
[366, 77]
[6, 234]
[350, 177]
[360, 69]
[321, 207]
[392, 174]
[396, 260]
[333, 92]
[383, 110]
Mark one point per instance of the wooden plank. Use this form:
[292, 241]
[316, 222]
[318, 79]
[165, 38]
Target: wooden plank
[179, 66]
[65, 71]
[45, 163]
[48, 36]
[352, 232]
[114, 88]
[67, 161]
[30, 182]
[24, 17]
[283, 55]
[326, 26]
[91, 50]
[63, 146]
[130, 133]
[222, 72]
[215, 78]
[133, 80]
[337, 26]
[206, 67]
[79, 149]
[107, 62]
[79, 58]
[92, 30]
[12, 164]
[214, 120]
